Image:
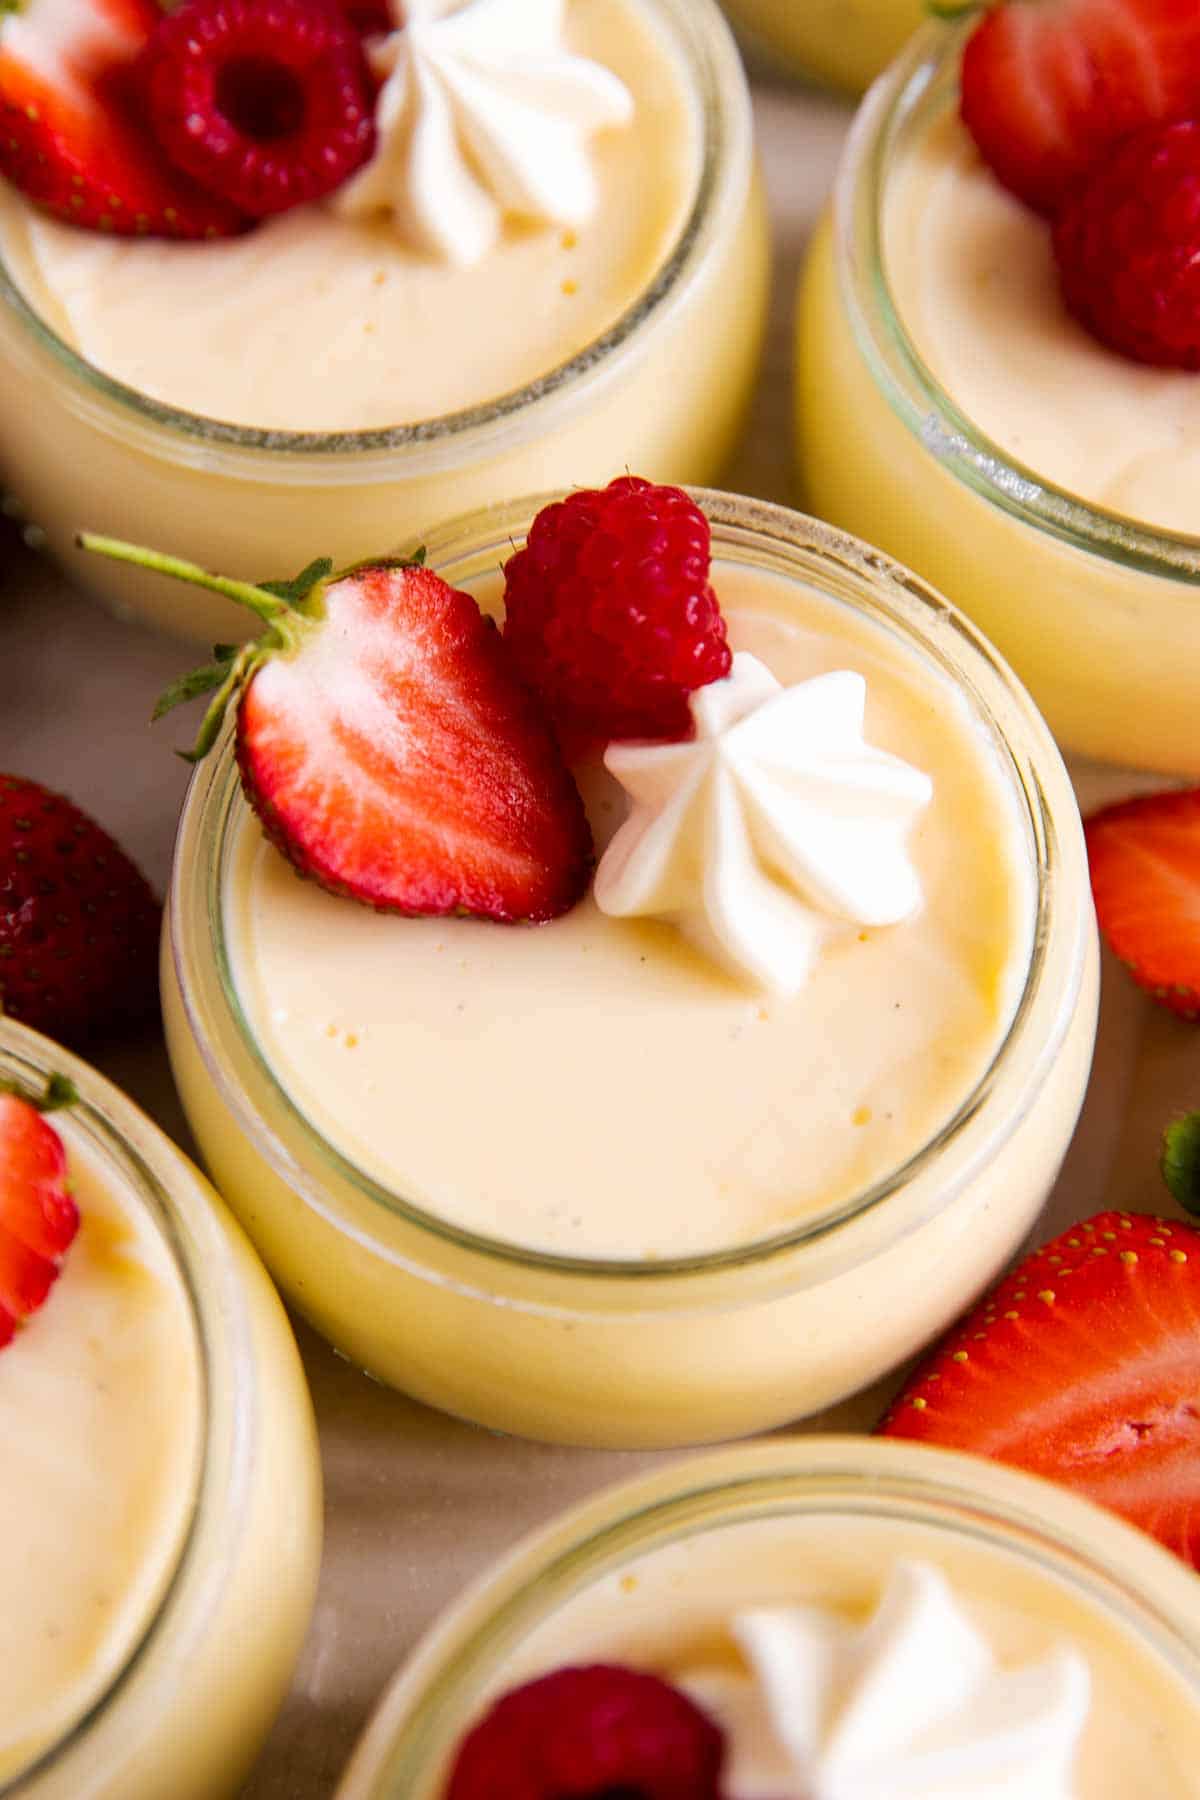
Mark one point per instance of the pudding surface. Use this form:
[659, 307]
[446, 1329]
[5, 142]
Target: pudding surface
[316, 322]
[597, 1088]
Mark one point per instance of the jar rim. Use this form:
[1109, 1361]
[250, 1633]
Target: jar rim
[922, 78]
[818, 1475]
[701, 36]
[801, 546]
[134, 1150]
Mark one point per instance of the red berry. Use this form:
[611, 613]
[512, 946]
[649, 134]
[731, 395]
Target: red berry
[38, 1218]
[78, 923]
[1144, 857]
[1128, 246]
[1083, 1366]
[397, 759]
[610, 615]
[1049, 85]
[72, 132]
[266, 103]
[578, 1734]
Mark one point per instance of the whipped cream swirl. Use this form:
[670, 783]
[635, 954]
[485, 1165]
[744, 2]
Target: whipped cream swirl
[483, 113]
[911, 1706]
[773, 829]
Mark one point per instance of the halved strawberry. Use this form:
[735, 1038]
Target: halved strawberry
[72, 131]
[388, 747]
[1145, 864]
[38, 1218]
[1083, 1366]
[1047, 85]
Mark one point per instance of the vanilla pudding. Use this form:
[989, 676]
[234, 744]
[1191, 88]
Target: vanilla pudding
[160, 1516]
[782, 1162]
[842, 42]
[100, 1409]
[324, 323]
[1089, 1626]
[324, 381]
[951, 410]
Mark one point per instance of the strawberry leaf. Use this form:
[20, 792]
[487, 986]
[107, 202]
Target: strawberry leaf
[296, 591]
[1181, 1161]
[190, 687]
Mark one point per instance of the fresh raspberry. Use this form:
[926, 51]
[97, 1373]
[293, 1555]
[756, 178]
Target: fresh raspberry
[611, 617]
[581, 1733]
[1128, 247]
[266, 103]
[78, 923]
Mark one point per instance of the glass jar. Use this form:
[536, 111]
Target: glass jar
[188, 1708]
[1099, 615]
[666, 389]
[663, 1562]
[670, 1349]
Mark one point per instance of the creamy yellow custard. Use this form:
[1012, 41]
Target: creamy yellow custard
[315, 322]
[672, 275]
[160, 1513]
[950, 410]
[100, 1417]
[655, 1574]
[739, 1114]
[538, 1317]
[843, 42]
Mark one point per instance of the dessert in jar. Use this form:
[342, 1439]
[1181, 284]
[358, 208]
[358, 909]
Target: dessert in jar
[807, 1053]
[955, 407]
[494, 241]
[161, 1504]
[844, 43]
[834, 1617]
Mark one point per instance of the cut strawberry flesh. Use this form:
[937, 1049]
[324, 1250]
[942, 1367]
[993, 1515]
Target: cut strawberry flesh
[1083, 1367]
[38, 1218]
[397, 759]
[1144, 857]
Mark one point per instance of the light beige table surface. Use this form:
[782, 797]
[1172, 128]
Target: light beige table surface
[418, 1504]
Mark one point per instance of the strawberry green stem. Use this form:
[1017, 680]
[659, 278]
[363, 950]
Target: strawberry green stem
[266, 605]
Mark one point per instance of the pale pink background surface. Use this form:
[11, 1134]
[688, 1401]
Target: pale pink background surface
[418, 1504]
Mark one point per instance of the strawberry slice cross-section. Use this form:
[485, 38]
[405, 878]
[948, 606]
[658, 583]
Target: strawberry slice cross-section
[73, 135]
[38, 1217]
[388, 746]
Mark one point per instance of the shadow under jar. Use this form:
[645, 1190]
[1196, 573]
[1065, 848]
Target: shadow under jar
[573, 1181]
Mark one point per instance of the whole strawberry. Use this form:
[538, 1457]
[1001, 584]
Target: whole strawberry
[387, 746]
[1048, 86]
[78, 922]
[610, 614]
